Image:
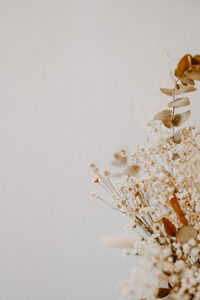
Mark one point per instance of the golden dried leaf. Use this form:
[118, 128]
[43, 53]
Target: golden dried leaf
[167, 123]
[188, 69]
[164, 115]
[181, 118]
[168, 92]
[186, 233]
[179, 102]
[185, 63]
[162, 292]
[196, 60]
[193, 73]
[176, 207]
[185, 89]
[185, 80]
[180, 89]
[169, 227]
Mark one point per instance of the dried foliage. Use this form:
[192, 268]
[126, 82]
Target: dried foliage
[179, 102]
[170, 229]
[162, 292]
[159, 191]
[188, 69]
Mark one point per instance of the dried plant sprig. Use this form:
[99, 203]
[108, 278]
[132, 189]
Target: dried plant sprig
[188, 69]
[159, 191]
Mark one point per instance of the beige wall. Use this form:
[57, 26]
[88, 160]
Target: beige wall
[76, 76]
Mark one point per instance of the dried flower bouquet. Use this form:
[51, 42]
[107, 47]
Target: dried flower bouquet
[159, 191]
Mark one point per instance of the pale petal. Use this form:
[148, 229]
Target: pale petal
[186, 233]
[177, 138]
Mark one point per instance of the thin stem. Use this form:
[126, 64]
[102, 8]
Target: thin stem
[173, 113]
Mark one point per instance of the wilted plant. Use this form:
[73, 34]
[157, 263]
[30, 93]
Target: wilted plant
[159, 191]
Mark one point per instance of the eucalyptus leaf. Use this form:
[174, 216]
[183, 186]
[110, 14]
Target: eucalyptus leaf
[179, 102]
[181, 89]
[193, 73]
[164, 115]
[180, 119]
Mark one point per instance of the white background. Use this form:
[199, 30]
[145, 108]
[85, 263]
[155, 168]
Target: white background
[76, 77]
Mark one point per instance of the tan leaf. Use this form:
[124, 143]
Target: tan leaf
[164, 115]
[181, 118]
[176, 207]
[162, 292]
[168, 92]
[186, 233]
[167, 123]
[185, 63]
[185, 89]
[181, 89]
[188, 69]
[179, 102]
[196, 59]
[186, 80]
[169, 227]
[193, 73]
